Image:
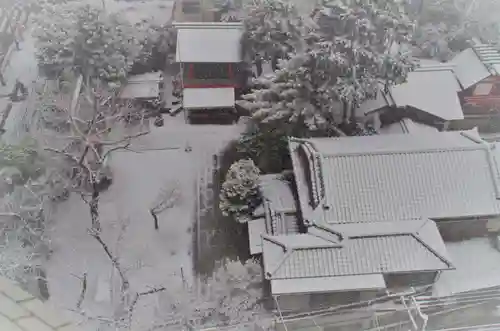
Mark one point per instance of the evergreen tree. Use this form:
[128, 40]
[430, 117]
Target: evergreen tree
[90, 42]
[240, 191]
[273, 28]
[352, 55]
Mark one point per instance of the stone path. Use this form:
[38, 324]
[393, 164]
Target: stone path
[20, 311]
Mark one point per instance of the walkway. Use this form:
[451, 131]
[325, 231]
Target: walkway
[23, 66]
[20, 311]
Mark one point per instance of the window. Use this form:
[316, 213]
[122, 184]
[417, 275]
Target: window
[483, 89]
[191, 7]
[211, 71]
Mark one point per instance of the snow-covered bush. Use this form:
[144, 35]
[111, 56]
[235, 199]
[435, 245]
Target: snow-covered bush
[347, 60]
[240, 191]
[267, 146]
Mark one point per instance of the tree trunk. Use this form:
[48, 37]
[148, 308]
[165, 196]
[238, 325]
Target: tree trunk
[274, 62]
[258, 65]
[155, 219]
[345, 111]
[353, 114]
[94, 208]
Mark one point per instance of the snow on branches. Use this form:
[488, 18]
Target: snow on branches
[240, 191]
[272, 28]
[90, 42]
[351, 56]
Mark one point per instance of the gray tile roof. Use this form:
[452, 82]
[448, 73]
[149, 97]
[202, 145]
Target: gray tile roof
[278, 193]
[430, 88]
[475, 64]
[344, 250]
[367, 179]
[277, 215]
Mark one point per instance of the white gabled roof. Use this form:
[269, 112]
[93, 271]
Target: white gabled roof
[197, 98]
[430, 88]
[469, 69]
[213, 42]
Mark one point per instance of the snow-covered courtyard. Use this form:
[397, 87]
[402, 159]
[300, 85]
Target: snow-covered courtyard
[152, 257]
[477, 266]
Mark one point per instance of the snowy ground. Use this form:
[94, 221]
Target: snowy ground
[154, 258]
[477, 266]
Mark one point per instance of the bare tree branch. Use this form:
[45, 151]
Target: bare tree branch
[83, 291]
[114, 261]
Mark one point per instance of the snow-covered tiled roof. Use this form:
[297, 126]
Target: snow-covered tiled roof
[278, 193]
[353, 249]
[378, 178]
[142, 86]
[208, 42]
[277, 215]
[430, 88]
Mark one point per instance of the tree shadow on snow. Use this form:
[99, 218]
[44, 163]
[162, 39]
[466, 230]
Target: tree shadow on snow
[219, 237]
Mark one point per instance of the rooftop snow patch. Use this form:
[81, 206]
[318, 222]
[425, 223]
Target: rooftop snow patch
[475, 64]
[213, 42]
[430, 88]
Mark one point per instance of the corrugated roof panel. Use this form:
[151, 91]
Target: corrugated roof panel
[490, 56]
[469, 69]
[146, 89]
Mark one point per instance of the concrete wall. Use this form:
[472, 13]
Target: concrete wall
[454, 230]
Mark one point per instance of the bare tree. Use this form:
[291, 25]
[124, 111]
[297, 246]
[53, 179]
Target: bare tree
[167, 198]
[92, 129]
[230, 297]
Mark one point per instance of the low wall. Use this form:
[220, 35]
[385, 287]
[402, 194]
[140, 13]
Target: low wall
[20, 311]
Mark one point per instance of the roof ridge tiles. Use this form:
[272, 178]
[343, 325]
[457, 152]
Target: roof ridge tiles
[407, 151]
[432, 250]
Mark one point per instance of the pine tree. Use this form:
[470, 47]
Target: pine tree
[240, 191]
